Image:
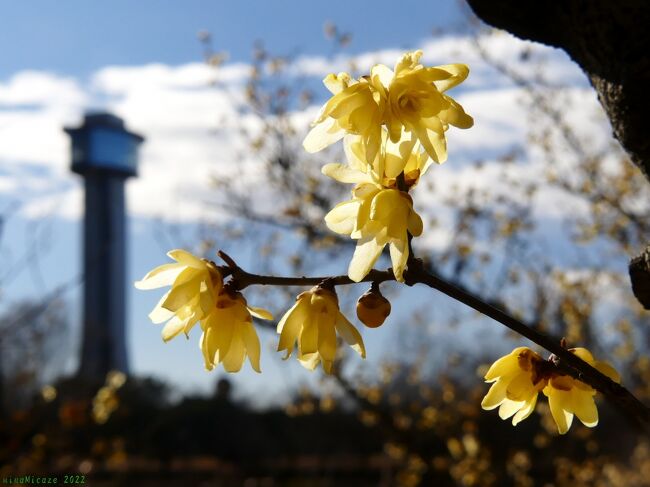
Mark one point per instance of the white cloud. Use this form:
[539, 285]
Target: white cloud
[191, 116]
[40, 88]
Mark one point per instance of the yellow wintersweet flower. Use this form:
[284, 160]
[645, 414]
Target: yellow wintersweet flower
[404, 156]
[356, 108]
[375, 216]
[417, 103]
[409, 99]
[194, 282]
[229, 335]
[313, 323]
[568, 396]
[516, 381]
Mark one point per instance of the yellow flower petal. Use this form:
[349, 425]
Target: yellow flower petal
[382, 73]
[313, 322]
[173, 328]
[458, 72]
[397, 154]
[525, 411]
[335, 83]
[431, 134]
[163, 275]
[584, 407]
[385, 203]
[495, 396]
[323, 135]
[583, 353]
[290, 325]
[234, 359]
[506, 365]
[520, 387]
[308, 339]
[455, 115]
[207, 298]
[366, 253]
[343, 217]
[558, 402]
[608, 370]
[409, 60]
[348, 102]
[252, 344]
[160, 314]
[350, 334]
[355, 152]
[186, 258]
[509, 407]
[326, 336]
[399, 254]
[180, 295]
[309, 361]
[207, 346]
[345, 174]
[415, 225]
[260, 313]
[327, 366]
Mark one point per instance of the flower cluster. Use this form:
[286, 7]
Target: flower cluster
[518, 377]
[195, 284]
[198, 295]
[393, 123]
[409, 100]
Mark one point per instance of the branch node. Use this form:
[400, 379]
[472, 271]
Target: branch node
[228, 260]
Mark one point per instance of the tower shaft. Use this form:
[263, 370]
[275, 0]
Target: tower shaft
[104, 306]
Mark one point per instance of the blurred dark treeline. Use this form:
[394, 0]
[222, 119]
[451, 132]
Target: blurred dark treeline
[399, 433]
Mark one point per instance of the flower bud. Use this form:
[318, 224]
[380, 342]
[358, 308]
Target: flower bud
[373, 308]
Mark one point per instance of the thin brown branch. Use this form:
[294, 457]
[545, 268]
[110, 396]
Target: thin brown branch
[618, 395]
[567, 362]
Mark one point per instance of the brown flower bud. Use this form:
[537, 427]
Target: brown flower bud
[373, 308]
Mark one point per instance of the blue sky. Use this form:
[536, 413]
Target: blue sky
[77, 37]
[142, 61]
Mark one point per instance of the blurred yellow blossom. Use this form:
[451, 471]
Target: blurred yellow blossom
[49, 393]
[105, 403]
[229, 335]
[516, 382]
[568, 396]
[106, 400]
[115, 379]
[194, 282]
[313, 322]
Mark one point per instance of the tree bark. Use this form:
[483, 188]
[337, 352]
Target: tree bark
[640, 277]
